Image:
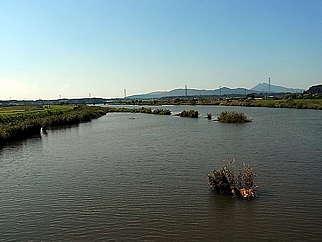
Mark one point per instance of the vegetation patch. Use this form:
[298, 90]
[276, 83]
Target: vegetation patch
[232, 117]
[234, 180]
[189, 114]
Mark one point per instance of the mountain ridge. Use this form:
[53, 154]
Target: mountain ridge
[259, 88]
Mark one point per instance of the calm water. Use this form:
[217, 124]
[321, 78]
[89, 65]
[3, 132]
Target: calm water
[121, 179]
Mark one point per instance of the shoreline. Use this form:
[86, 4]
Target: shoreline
[19, 122]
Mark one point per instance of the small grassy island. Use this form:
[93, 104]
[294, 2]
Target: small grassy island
[189, 114]
[139, 110]
[232, 117]
[234, 180]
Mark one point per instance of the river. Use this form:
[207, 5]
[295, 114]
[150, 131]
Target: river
[143, 177]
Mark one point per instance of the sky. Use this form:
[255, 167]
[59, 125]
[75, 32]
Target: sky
[77, 48]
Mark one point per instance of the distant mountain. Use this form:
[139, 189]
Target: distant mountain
[264, 87]
[191, 92]
[259, 88]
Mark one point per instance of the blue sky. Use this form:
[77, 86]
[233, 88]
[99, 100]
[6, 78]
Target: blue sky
[76, 47]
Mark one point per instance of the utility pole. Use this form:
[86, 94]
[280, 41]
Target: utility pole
[220, 90]
[124, 93]
[269, 85]
[186, 90]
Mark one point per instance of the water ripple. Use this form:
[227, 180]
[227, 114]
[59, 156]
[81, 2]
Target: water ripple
[117, 179]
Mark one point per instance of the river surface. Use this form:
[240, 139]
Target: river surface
[142, 177]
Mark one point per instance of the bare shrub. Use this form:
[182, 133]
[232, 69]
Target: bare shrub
[233, 179]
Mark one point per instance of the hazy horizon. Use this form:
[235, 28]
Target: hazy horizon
[73, 48]
[153, 91]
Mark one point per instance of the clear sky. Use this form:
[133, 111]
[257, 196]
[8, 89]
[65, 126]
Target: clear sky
[76, 47]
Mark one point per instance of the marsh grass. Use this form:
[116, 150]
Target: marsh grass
[237, 180]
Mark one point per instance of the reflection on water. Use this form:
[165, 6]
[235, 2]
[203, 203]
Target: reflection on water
[120, 179]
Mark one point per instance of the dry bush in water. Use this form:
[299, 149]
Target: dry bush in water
[234, 179]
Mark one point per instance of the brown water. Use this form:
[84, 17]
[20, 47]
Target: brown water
[121, 179]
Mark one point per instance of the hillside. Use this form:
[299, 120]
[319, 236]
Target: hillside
[317, 89]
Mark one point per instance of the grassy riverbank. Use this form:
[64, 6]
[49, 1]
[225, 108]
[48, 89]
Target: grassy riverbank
[288, 103]
[282, 103]
[21, 122]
